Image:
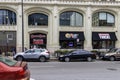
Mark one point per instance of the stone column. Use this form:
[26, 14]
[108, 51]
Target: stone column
[118, 29]
[54, 34]
[19, 29]
[88, 27]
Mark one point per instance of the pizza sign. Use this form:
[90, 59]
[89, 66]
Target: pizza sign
[104, 36]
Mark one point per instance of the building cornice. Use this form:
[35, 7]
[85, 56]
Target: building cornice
[65, 2]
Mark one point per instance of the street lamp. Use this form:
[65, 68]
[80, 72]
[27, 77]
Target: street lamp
[22, 26]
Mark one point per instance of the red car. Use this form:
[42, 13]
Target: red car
[13, 70]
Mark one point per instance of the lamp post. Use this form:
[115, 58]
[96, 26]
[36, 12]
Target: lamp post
[22, 26]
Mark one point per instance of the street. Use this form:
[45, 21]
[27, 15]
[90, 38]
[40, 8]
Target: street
[97, 70]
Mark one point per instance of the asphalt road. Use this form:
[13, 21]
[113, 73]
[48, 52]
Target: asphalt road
[98, 70]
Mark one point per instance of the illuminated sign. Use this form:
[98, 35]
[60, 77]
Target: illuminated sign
[71, 35]
[104, 36]
[38, 36]
[37, 41]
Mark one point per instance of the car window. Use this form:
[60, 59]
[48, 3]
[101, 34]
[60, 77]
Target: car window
[74, 53]
[84, 52]
[42, 50]
[8, 61]
[30, 51]
[113, 50]
[37, 50]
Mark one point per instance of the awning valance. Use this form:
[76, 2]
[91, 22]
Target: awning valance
[104, 36]
[71, 36]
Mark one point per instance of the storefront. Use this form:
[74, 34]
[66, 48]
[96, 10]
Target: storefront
[71, 40]
[38, 40]
[7, 41]
[103, 40]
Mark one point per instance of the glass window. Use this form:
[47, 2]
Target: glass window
[103, 19]
[7, 61]
[71, 44]
[7, 17]
[38, 19]
[103, 44]
[71, 18]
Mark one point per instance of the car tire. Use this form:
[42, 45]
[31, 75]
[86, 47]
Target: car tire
[42, 59]
[89, 59]
[112, 58]
[19, 58]
[67, 59]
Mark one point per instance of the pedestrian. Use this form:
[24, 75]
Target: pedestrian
[25, 49]
[13, 51]
[0, 52]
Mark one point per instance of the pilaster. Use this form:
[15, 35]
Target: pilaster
[55, 29]
[88, 26]
[19, 29]
[118, 30]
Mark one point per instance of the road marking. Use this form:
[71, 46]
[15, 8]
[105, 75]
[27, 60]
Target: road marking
[32, 79]
[46, 66]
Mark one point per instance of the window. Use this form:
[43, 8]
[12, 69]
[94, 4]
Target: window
[7, 17]
[103, 19]
[71, 18]
[10, 36]
[7, 61]
[71, 44]
[38, 19]
[103, 44]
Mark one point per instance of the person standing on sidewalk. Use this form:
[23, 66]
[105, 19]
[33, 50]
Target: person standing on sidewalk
[0, 52]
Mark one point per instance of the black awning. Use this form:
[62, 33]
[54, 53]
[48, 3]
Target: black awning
[104, 36]
[71, 36]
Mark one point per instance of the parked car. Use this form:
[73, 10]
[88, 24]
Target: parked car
[34, 54]
[77, 55]
[112, 55]
[13, 70]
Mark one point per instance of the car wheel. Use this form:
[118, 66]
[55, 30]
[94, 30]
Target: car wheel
[42, 59]
[112, 58]
[19, 58]
[67, 59]
[89, 59]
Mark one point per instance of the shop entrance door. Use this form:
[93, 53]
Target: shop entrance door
[38, 40]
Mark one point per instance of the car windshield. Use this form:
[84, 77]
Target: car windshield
[7, 61]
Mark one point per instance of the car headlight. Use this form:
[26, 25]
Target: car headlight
[107, 54]
[61, 55]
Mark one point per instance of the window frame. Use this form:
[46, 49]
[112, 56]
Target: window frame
[43, 19]
[67, 19]
[8, 17]
[96, 21]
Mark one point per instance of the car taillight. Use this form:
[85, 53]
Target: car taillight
[21, 74]
[48, 52]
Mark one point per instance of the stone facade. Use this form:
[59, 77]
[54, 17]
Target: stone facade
[53, 8]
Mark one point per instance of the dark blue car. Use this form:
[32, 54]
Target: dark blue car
[78, 55]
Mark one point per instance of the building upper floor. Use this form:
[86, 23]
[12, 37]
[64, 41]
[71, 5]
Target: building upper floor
[84, 2]
[74, 13]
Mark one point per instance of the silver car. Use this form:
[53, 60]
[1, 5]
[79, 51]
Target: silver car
[36, 54]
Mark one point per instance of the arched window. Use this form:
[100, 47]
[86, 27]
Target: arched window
[103, 19]
[7, 17]
[71, 18]
[38, 19]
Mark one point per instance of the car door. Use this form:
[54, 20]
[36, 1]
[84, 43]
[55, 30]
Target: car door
[29, 54]
[82, 54]
[75, 55]
[117, 55]
[36, 53]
